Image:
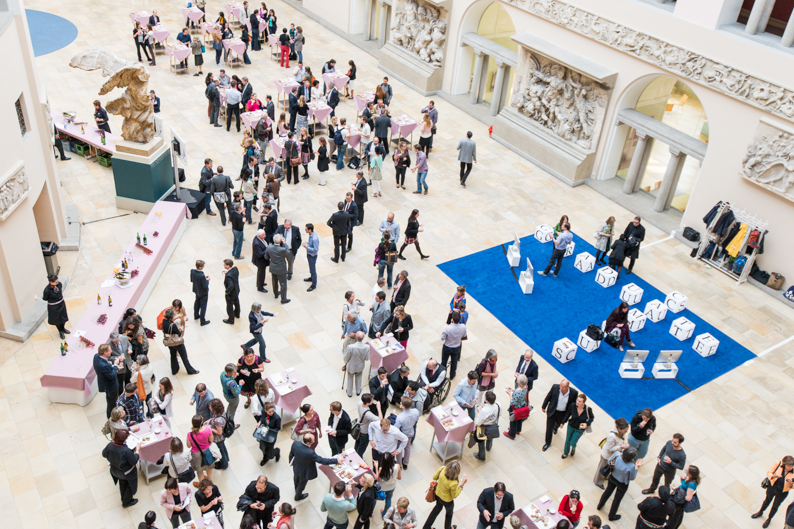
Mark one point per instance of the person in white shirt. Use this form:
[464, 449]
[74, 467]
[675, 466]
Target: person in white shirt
[489, 414]
[351, 304]
[299, 73]
[317, 93]
[177, 459]
[384, 437]
[366, 417]
[164, 397]
[379, 284]
[432, 375]
[263, 394]
[366, 131]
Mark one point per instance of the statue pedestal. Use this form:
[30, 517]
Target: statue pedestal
[408, 68]
[568, 162]
[143, 174]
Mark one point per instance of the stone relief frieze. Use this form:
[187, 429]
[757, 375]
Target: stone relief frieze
[741, 85]
[563, 101]
[14, 188]
[768, 161]
[420, 28]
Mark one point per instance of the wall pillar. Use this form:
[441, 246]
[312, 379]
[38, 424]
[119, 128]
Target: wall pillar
[496, 100]
[673, 168]
[476, 77]
[788, 35]
[368, 11]
[767, 13]
[384, 9]
[636, 163]
[483, 77]
[754, 21]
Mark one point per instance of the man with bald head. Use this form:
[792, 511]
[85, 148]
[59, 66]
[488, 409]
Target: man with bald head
[356, 357]
[527, 367]
[555, 405]
[265, 496]
[391, 227]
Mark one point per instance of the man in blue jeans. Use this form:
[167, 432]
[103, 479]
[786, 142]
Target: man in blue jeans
[204, 185]
[344, 132]
[312, 248]
[238, 226]
[421, 169]
[561, 242]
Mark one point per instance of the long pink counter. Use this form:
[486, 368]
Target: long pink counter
[71, 378]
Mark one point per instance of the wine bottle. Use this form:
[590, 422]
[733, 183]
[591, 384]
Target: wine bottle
[63, 350]
[110, 301]
[144, 239]
[138, 237]
[98, 299]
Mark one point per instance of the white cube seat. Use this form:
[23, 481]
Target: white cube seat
[675, 301]
[606, 277]
[564, 350]
[636, 320]
[682, 328]
[705, 344]
[544, 233]
[585, 262]
[631, 294]
[655, 310]
[587, 343]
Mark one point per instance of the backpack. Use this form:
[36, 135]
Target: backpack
[338, 137]
[789, 294]
[752, 240]
[355, 429]
[738, 264]
[228, 428]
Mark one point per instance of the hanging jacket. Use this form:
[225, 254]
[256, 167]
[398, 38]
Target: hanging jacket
[736, 243]
[712, 213]
[724, 222]
[731, 234]
[761, 242]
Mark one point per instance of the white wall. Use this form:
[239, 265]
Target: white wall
[336, 12]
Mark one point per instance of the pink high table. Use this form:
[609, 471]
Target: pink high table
[455, 436]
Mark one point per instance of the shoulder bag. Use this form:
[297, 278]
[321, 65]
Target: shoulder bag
[491, 431]
[519, 414]
[183, 477]
[172, 340]
[355, 429]
[692, 505]
[207, 457]
[766, 483]
[607, 469]
[295, 159]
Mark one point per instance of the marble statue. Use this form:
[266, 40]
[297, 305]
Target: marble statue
[134, 104]
[560, 100]
[419, 28]
[768, 162]
[13, 190]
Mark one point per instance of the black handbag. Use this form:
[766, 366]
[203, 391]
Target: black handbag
[612, 340]
[691, 234]
[595, 333]
[184, 477]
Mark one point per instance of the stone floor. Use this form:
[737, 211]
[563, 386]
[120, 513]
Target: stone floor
[51, 470]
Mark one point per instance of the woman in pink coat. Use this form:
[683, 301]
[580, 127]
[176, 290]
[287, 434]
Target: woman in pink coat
[176, 501]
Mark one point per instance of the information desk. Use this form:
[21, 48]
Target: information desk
[71, 378]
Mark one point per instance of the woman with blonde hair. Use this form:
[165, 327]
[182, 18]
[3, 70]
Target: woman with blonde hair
[365, 505]
[425, 133]
[400, 515]
[448, 487]
[282, 127]
[302, 118]
[603, 237]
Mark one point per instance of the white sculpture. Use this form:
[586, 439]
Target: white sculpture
[768, 161]
[560, 100]
[418, 27]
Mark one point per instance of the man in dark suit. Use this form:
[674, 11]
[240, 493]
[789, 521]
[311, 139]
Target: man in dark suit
[339, 225]
[339, 422]
[255, 44]
[379, 387]
[304, 464]
[402, 290]
[275, 169]
[221, 189]
[106, 376]
[292, 241]
[333, 99]
[351, 208]
[259, 260]
[201, 288]
[270, 108]
[305, 90]
[360, 191]
[231, 284]
[246, 91]
[293, 108]
[382, 125]
[490, 517]
[527, 367]
[277, 255]
[154, 18]
[204, 185]
[268, 221]
[292, 149]
[555, 406]
[634, 234]
[398, 381]
[367, 114]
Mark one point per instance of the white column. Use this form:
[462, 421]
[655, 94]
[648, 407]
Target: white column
[483, 77]
[788, 35]
[496, 99]
[475, 78]
[754, 21]
[382, 29]
[636, 163]
[368, 19]
[666, 188]
[770, 4]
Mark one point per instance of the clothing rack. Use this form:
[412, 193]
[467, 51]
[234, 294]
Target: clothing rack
[722, 264]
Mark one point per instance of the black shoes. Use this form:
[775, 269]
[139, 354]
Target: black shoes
[425, 257]
[545, 447]
[278, 454]
[62, 335]
[229, 322]
[628, 272]
[64, 159]
[753, 516]
[205, 322]
[401, 257]
[308, 279]
[311, 288]
[263, 290]
[67, 331]
[563, 456]
[285, 301]
[301, 497]
[614, 518]
[130, 504]
[405, 466]
[335, 260]
[289, 277]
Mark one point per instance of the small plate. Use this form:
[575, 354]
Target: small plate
[157, 430]
[553, 510]
[294, 380]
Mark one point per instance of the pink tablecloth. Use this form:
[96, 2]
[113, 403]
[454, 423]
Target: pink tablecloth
[213, 521]
[391, 361]
[361, 100]
[153, 451]
[319, 111]
[236, 45]
[277, 145]
[234, 10]
[178, 51]
[456, 434]
[339, 80]
[140, 16]
[291, 400]
[524, 514]
[250, 119]
[285, 86]
[91, 134]
[354, 138]
[193, 13]
[402, 126]
[209, 27]
[75, 370]
[160, 33]
[272, 39]
[350, 457]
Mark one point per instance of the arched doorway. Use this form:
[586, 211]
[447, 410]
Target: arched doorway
[496, 26]
[663, 135]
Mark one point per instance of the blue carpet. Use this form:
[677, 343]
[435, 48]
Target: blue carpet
[49, 32]
[564, 306]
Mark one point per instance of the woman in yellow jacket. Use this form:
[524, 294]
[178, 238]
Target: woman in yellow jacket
[781, 477]
[447, 489]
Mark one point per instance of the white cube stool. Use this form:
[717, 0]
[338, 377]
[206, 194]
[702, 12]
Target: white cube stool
[569, 249]
[587, 343]
[675, 301]
[584, 262]
[513, 256]
[705, 344]
[526, 281]
[544, 233]
[606, 277]
[631, 294]
[655, 310]
[564, 350]
[636, 320]
[682, 328]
